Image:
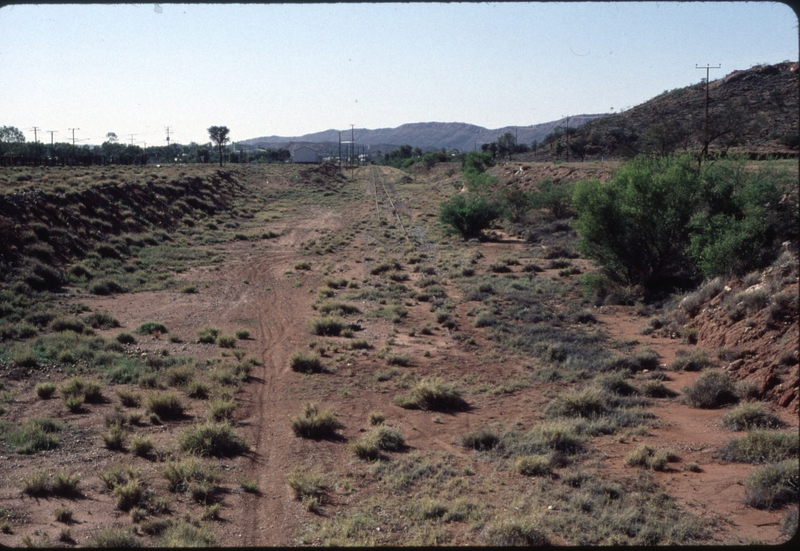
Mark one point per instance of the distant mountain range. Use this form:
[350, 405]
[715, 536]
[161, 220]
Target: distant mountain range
[425, 135]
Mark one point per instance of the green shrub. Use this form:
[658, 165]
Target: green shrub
[114, 538]
[336, 308]
[142, 445]
[221, 410]
[648, 457]
[588, 403]
[313, 423]
[125, 338]
[712, 389]
[101, 320]
[210, 438]
[207, 335]
[106, 287]
[242, 334]
[694, 360]
[481, 440]
[165, 405]
[326, 326]
[761, 446]
[64, 515]
[73, 403]
[772, 486]
[305, 363]
[90, 391]
[198, 389]
[184, 534]
[67, 324]
[468, 214]
[432, 394]
[750, 416]
[150, 327]
[226, 341]
[533, 465]
[128, 398]
[514, 532]
[115, 438]
[45, 390]
[307, 483]
[657, 389]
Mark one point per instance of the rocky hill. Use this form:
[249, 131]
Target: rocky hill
[425, 135]
[754, 110]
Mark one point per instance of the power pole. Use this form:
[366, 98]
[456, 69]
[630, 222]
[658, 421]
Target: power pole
[35, 130]
[705, 128]
[73, 140]
[567, 138]
[168, 137]
[340, 150]
[51, 136]
[131, 135]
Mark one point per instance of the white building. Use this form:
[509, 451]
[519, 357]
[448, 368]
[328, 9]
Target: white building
[305, 155]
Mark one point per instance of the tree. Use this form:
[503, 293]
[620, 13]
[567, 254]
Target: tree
[637, 224]
[111, 137]
[219, 135]
[11, 134]
[468, 214]
[578, 147]
[506, 144]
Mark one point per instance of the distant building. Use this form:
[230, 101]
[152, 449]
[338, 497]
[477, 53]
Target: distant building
[305, 155]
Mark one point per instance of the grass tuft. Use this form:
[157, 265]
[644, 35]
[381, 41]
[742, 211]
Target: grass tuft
[313, 423]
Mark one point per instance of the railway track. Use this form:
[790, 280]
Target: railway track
[377, 181]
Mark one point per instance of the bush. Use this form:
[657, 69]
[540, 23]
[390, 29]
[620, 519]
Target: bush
[761, 447]
[694, 360]
[242, 334]
[226, 341]
[481, 440]
[77, 387]
[469, 214]
[313, 423]
[106, 287]
[750, 416]
[125, 338]
[207, 335]
[432, 394]
[533, 465]
[165, 405]
[45, 390]
[115, 438]
[216, 439]
[772, 486]
[305, 363]
[101, 320]
[326, 326]
[514, 533]
[114, 538]
[712, 389]
[150, 327]
[184, 534]
[648, 457]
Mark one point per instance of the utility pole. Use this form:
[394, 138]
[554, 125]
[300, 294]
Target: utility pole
[35, 130]
[340, 150]
[51, 136]
[168, 137]
[131, 135]
[73, 140]
[567, 138]
[705, 128]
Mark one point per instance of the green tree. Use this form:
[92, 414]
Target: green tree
[637, 224]
[469, 214]
[516, 202]
[555, 198]
[219, 135]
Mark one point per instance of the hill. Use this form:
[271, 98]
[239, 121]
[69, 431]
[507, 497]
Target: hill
[753, 110]
[425, 135]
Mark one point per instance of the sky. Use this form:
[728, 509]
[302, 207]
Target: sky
[292, 69]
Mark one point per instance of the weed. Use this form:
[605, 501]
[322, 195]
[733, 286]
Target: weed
[207, 335]
[90, 391]
[165, 405]
[249, 486]
[772, 486]
[313, 423]
[216, 439]
[376, 418]
[125, 338]
[101, 320]
[35, 435]
[114, 538]
[45, 390]
[533, 465]
[694, 360]
[150, 327]
[221, 410]
[64, 515]
[326, 326]
[305, 363]
[514, 532]
[397, 359]
[648, 457]
[242, 334]
[74, 403]
[128, 398]
[750, 416]
[198, 389]
[712, 389]
[307, 483]
[481, 440]
[142, 445]
[226, 341]
[657, 389]
[115, 438]
[35, 483]
[184, 534]
[432, 394]
[760, 446]
[336, 308]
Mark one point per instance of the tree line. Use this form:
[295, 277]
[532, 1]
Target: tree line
[16, 151]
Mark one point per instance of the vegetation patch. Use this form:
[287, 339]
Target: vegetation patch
[432, 394]
[712, 389]
[313, 423]
[760, 446]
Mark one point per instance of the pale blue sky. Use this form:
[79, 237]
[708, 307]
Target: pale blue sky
[292, 69]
